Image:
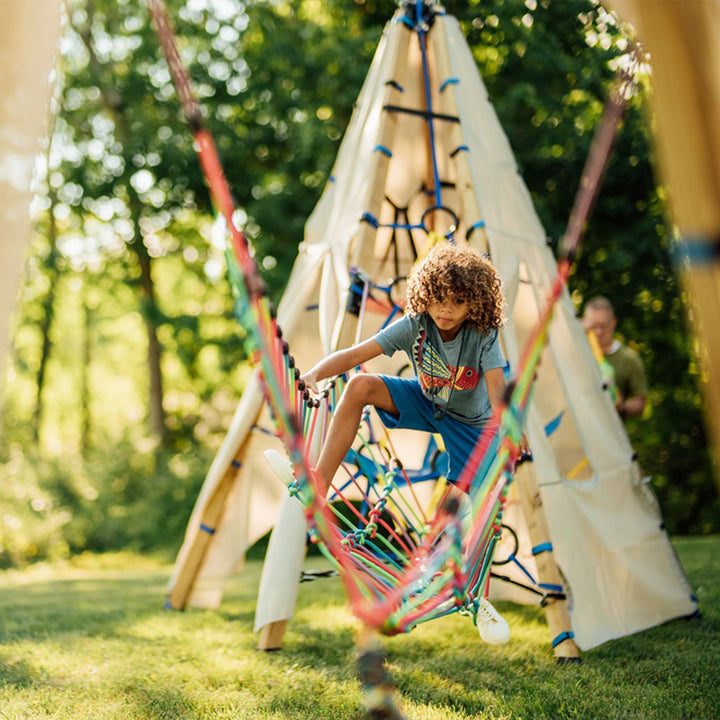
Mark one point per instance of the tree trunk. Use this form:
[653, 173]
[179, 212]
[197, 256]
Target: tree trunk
[48, 311]
[148, 305]
[85, 418]
[149, 310]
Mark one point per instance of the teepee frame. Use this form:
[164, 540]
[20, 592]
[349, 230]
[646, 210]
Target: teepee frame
[405, 142]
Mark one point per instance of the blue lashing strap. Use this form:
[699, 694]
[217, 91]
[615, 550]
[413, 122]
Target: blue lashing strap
[368, 218]
[472, 228]
[542, 547]
[236, 464]
[207, 529]
[551, 587]
[567, 635]
[459, 148]
[383, 150]
[449, 81]
[407, 21]
[554, 424]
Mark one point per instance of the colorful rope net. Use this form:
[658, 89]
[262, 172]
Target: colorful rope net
[403, 559]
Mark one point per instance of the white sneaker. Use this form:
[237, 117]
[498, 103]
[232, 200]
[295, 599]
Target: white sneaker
[281, 466]
[492, 627]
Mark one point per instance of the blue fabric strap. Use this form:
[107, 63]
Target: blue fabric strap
[207, 529]
[542, 547]
[567, 635]
[697, 251]
[459, 148]
[368, 218]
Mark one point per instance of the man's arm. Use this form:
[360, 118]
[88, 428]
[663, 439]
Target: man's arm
[632, 406]
[495, 381]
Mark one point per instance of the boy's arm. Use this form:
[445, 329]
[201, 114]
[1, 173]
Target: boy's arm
[495, 382]
[342, 360]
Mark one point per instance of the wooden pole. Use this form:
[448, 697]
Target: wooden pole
[363, 247]
[683, 38]
[204, 528]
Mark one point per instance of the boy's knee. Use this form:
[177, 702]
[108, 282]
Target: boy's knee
[362, 387]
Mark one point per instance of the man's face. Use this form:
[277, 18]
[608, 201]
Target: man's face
[602, 323]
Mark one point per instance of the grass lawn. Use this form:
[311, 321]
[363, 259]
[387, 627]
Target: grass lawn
[91, 640]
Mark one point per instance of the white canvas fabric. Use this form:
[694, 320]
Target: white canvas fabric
[620, 568]
[28, 38]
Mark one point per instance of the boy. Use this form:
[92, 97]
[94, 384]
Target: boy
[450, 333]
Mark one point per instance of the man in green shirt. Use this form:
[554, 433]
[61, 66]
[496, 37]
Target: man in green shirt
[599, 316]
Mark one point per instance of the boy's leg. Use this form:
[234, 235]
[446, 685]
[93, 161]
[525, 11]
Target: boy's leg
[362, 390]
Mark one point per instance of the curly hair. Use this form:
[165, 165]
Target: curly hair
[462, 273]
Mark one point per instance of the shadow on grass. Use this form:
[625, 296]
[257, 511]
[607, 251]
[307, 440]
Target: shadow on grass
[51, 608]
[16, 672]
[150, 702]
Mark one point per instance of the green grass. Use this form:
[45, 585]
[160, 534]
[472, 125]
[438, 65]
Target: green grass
[91, 640]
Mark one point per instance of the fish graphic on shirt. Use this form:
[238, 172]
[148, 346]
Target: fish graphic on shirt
[436, 377]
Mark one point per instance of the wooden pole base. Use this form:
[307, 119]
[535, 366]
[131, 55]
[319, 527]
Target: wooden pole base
[271, 635]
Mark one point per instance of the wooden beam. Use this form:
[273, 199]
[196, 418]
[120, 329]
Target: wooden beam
[683, 38]
[556, 610]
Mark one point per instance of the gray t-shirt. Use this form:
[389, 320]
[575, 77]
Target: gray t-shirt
[451, 374]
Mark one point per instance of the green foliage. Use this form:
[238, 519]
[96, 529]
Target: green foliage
[277, 82]
[135, 498]
[90, 639]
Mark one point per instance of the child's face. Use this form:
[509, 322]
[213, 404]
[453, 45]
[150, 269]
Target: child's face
[449, 316]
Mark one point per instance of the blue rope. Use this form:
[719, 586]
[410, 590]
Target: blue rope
[428, 101]
[367, 217]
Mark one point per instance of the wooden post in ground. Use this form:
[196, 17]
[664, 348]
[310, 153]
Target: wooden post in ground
[272, 635]
[549, 577]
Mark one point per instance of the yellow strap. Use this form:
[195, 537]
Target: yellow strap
[576, 470]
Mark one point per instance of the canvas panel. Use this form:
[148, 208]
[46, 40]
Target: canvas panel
[28, 39]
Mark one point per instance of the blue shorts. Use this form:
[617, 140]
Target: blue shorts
[416, 412]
